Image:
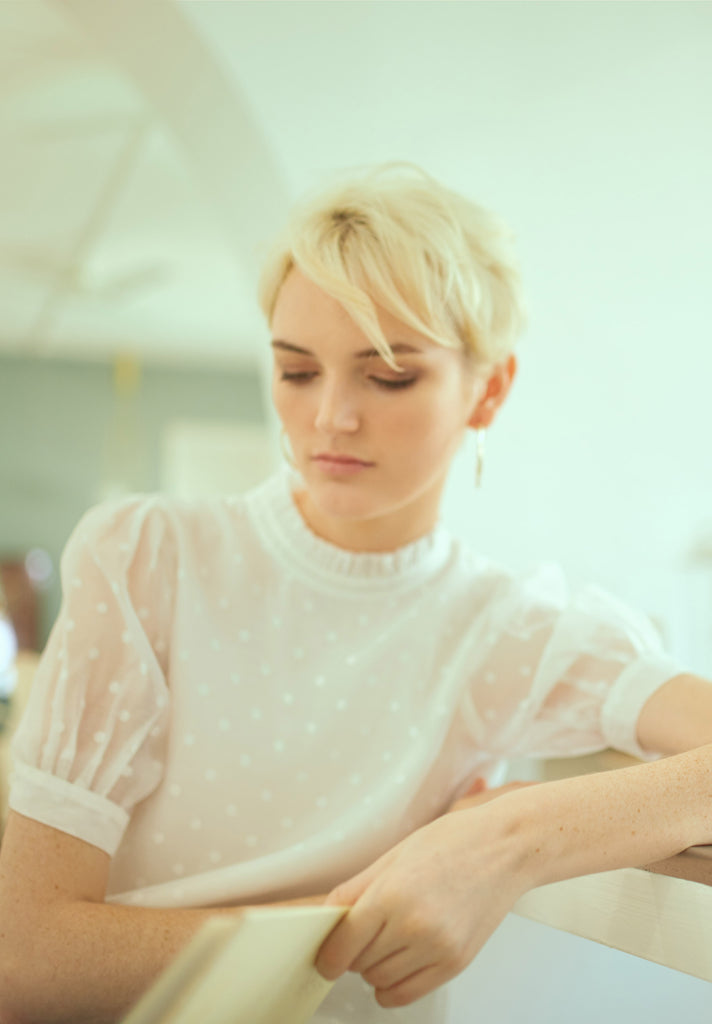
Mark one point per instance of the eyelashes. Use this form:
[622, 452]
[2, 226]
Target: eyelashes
[297, 378]
[394, 384]
[404, 382]
[382, 382]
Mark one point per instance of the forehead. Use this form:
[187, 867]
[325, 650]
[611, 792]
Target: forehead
[306, 315]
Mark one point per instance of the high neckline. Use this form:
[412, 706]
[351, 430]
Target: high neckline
[276, 517]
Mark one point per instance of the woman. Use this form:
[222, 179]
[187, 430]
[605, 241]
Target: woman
[276, 697]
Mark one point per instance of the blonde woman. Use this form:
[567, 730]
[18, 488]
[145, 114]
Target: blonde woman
[276, 697]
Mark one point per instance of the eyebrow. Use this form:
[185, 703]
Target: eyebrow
[400, 347]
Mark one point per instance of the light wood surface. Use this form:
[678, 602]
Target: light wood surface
[272, 950]
[661, 912]
[694, 865]
[665, 919]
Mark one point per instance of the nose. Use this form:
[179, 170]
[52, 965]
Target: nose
[337, 410]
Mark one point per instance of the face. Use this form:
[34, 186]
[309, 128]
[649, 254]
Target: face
[372, 444]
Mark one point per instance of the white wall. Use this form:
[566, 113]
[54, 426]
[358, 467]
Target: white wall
[586, 126]
[596, 150]
[530, 974]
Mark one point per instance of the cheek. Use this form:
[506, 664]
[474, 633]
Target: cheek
[297, 409]
[286, 402]
[279, 405]
[430, 419]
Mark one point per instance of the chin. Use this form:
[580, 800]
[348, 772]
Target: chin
[335, 501]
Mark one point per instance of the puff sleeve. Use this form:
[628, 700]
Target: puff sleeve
[561, 675]
[91, 742]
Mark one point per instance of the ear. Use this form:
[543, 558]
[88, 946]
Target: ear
[497, 389]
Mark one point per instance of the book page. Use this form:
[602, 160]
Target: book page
[256, 969]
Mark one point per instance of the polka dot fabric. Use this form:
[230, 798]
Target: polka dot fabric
[93, 738]
[238, 711]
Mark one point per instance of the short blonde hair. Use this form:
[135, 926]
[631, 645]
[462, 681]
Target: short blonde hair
[435, 260]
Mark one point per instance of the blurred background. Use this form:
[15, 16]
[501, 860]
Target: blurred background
[151, 150]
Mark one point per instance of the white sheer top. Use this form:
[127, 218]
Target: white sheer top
[238, 711]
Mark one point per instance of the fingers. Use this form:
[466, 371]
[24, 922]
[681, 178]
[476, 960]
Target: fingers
[345, 943]
[398, 976]
[413, 987]
[390, 970]
[348, 892]
[375, 964]
[476, 789]
[359, 927]
[478, 786]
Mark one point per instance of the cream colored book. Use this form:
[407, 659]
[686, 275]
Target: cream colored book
[254, 969]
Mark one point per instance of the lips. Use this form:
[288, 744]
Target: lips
[340, 460]
[338, 466]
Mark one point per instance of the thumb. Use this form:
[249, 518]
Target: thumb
[346, 893]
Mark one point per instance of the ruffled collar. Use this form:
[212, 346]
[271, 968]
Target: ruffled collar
[276, 517]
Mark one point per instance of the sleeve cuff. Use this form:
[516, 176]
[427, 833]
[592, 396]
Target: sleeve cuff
[67, 807]
[636, 683]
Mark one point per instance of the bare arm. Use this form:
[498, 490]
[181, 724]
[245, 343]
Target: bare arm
[418, 920]
[65, 955]
[678, 716]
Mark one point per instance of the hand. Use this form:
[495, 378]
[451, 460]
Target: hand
[422, 911]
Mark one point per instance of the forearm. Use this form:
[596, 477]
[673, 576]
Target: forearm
[89, 962]
[424, 909]
[625, 818]
[80, 961]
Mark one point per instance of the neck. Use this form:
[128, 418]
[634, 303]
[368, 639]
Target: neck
[377, 534]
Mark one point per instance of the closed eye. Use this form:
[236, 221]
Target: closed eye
[298, 378]
[305, 376]
[386, 383]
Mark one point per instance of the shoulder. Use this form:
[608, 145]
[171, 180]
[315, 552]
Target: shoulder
[504, 594]
[153, 527]
[541, 598]
[539, 582]
[118, 523]
[125, 517]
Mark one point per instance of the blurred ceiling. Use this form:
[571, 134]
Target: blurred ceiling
[150, 150]
[130, 168]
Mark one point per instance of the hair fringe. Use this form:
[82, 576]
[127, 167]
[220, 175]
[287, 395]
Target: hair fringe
[392, 235]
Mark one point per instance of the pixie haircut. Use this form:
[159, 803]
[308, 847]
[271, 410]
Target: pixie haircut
[395, 236]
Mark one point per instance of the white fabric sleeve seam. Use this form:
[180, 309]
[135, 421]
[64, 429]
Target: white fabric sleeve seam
[65, 806]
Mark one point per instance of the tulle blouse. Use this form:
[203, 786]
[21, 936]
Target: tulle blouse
[225, 698]
[238, 711]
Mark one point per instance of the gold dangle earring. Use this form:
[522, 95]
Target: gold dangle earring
[286, 451]
[480, 457]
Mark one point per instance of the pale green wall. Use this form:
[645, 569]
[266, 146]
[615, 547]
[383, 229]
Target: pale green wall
[56, 418]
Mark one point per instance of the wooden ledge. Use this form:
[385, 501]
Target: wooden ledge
[651, 915]
[694, 865]
[660, 912]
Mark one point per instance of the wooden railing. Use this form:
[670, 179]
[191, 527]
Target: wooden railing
[662, 912]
